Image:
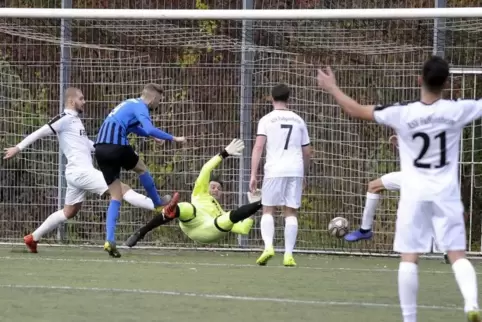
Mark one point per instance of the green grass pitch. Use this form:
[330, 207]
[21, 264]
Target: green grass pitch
[65, 284]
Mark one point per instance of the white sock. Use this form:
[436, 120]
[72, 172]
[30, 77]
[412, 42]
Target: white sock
[371, 203]
[267, 230]
[467, 281]
[407, 290]
[52, 221]
[291, 231]
[138, 200]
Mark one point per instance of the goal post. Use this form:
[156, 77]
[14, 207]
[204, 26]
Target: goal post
[198, 56]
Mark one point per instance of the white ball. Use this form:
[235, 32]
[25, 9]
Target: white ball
[338, 227]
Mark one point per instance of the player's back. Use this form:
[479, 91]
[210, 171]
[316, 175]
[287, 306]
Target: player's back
[429, 143]
[115, 127]
[286, 134]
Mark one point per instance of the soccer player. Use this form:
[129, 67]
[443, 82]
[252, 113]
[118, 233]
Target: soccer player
[113, 152]
[80, 174]
[389, 181]
[429, 133]
[203, 219]
[288, 151]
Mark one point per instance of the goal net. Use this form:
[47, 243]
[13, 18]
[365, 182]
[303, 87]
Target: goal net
[217, 78]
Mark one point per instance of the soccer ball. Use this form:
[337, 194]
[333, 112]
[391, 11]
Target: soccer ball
[338, 227]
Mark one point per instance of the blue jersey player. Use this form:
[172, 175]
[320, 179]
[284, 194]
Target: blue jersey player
[113, 152]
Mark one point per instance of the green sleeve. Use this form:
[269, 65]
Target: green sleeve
[202, 182]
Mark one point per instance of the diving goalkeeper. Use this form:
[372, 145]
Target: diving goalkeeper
[203, 219]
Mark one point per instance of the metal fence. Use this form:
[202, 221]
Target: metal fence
[218, 76]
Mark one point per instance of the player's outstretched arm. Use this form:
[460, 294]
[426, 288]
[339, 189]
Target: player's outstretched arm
[327, 82]
[202, 182]
[149, 130]
[51, 128]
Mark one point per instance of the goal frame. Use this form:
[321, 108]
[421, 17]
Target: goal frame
[300, 14]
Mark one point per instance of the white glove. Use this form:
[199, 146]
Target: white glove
[254, 196]
[235, 147]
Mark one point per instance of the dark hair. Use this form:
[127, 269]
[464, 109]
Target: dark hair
[435, 73]
[216, 178]
[154, 88]
[280, 93]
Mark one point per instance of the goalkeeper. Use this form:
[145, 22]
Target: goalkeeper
[203, 219]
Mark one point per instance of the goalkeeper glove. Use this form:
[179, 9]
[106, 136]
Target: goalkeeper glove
[236, 147]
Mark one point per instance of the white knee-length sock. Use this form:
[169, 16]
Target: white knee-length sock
[138, 200]
[371, 203]
[291, 231]
[467, 281]
[267, 230]
[408, 290]
[52, 222]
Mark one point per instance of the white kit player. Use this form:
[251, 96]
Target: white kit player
[288, 153]
[391, 182]
[80, 174]
[429, 133]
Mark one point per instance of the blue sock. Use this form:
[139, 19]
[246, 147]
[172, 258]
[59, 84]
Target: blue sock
[148, 183]
[111, 222]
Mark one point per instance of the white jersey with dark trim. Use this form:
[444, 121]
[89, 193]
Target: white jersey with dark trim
[73, 140]
[429, 144]
[286, 133]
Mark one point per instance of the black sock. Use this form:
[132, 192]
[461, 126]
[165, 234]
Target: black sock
[244, 212]
[153, 224]
[364, 231]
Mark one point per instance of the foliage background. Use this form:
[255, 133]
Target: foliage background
[198, 62]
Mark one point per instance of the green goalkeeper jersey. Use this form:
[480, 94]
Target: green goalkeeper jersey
[200, 225]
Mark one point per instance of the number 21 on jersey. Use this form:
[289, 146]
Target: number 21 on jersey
[427, 141]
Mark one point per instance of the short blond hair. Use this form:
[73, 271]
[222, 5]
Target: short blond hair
[151, 87]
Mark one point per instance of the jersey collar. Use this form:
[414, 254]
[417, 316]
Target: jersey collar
[71, 112]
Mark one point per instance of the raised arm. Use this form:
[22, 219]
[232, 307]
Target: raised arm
[202, 182]
[327, 82]
[51, 128]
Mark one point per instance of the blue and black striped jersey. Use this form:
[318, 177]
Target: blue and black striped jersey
[130, 116]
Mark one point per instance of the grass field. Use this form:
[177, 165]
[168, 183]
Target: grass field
[63, 284]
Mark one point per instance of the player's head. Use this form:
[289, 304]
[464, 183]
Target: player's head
[152, 95]
[435, 74]
[74, 99]
[280, 94]
[215, 186]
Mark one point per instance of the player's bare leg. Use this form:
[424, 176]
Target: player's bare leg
[375, 187]
[467, 281]
[408, 286]
[52, 222]
[115, 190]
[267, 233]
[291, 232]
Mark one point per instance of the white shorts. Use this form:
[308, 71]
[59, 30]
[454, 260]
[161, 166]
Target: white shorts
[283, 191]
[80, 181]
[419, 221]
[391, 181]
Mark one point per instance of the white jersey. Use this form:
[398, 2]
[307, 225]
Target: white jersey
[73, 140]
[429, 144]
[286, 133]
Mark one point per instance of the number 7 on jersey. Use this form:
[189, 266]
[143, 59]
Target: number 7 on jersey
[289, 127]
